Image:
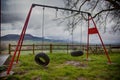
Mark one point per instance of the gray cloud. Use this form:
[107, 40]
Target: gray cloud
[14, 12]
[10, 18]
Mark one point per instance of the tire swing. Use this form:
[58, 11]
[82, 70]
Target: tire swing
[42, 58]
[76, 53]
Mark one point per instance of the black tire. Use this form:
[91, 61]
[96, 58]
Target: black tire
[39, 57]
[77, 53]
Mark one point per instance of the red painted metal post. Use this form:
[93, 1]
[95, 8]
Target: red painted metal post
[19, 43]
[102, 42]
[88, 35]
[23, 34]
[12, 60]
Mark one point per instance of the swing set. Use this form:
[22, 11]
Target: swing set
[17, 51]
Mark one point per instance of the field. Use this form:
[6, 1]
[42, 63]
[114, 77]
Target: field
[65, 67]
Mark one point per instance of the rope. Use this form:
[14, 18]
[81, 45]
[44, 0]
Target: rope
[72, 40]
[56, 13]
[43, 29]
[81, 38]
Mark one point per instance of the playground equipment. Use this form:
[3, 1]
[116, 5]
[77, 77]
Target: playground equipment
[44, 61]
[42, 56]
[19, 44]
[77, 53]
[74, 52]
[94, 30]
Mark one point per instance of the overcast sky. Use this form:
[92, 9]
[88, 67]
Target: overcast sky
[14, 13]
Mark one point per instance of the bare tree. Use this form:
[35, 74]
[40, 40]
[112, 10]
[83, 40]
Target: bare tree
[103, 11]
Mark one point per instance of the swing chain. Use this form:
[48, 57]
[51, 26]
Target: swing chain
[43, 29]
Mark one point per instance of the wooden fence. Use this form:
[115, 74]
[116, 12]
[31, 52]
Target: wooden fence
[96, 49]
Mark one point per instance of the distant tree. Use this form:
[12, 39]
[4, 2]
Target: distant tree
[103, 12]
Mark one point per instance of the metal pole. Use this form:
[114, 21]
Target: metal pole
[19, 43]
[102, 43]
[60, 8]
[23, 32]
[88, 36]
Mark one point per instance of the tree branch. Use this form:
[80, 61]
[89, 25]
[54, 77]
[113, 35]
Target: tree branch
[95, 5]
[114, 3]
[112, 9]
[82, 5]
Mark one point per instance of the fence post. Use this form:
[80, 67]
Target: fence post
[96, 49]
[109, 48]
[33, 48]
[83, 47]
[50, 48]
[9, 48]
[67, 48]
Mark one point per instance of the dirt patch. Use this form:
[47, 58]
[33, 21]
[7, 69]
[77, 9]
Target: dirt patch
[81, 78]
[36, 78]
[76, 63]
[62, 78]
[20, 72]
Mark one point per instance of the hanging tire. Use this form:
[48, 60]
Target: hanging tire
[77, 53]
[42, 59]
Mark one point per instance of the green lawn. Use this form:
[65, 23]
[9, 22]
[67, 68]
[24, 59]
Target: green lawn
[62, 67]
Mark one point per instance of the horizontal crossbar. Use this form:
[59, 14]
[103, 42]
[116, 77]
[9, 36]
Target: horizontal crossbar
[60, 8]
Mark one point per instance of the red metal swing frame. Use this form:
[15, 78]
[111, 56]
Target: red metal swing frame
[94, 30]
[20, 41]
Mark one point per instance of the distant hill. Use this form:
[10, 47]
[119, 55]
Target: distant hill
[15, 37]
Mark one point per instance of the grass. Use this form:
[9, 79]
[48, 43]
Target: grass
[58, 69]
